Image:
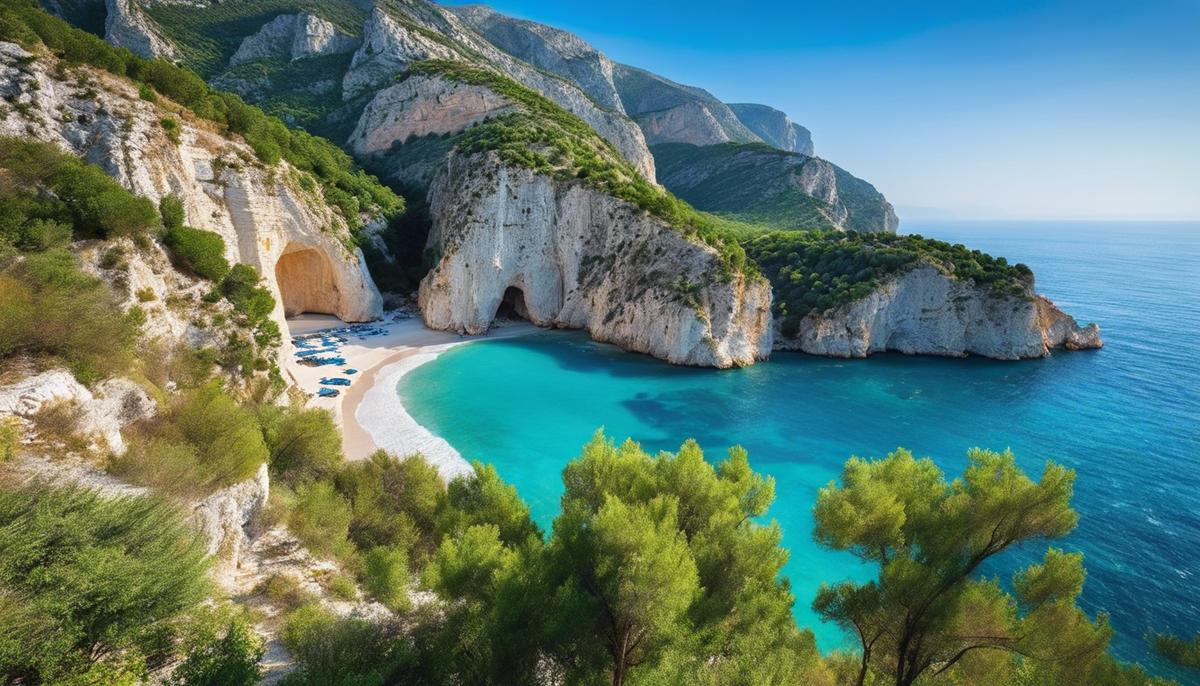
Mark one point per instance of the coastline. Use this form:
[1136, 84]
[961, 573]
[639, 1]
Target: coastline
[370, 413]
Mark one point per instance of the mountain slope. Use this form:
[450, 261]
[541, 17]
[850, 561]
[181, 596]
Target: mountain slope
[756, 183]
[774, 127]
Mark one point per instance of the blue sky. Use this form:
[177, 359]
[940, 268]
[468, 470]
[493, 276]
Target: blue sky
[1021, 109]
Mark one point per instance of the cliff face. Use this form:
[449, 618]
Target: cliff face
[926, 312]
[567, 256]
[670, 112]
[391, 42]
[294, 37]
[774, 127]
[263, 213]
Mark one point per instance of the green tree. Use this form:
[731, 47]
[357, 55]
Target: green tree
[1181, 651]
[304, 443]
[224, 653]
[927, 614]
[483, 498]
[86, 581]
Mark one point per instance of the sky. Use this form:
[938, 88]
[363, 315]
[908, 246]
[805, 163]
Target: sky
[1026, 109]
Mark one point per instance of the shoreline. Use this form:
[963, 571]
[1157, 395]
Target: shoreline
[369, 412]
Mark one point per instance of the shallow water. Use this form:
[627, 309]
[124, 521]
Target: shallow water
[1127, 417]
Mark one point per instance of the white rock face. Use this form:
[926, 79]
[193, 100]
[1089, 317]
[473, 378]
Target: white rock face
[583, 260]
[421, 105]
[293, 37]
[226, 519]
[115, 404]
[127, 26]
[262, 213]
[690, 122]
[774, 127]
[926, 312]
[390, 45]
[548, 48]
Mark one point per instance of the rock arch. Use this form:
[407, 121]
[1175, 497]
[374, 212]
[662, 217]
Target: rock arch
[307, 281]
[512, 304]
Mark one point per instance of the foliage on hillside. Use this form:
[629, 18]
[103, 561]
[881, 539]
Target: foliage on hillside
[547, 139]
[756, 183]
[345, 186]
[208, 34]
[90, 587]
[815, 271]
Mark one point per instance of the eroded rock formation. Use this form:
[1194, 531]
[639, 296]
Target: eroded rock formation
[583, 260]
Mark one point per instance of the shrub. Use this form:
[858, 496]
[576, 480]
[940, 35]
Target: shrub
[205, 441]
[171, 210]
[49, 306]
[91, 579]
[335, 651]
[386, 577]
[342, 587]
[200, 252]
[10, 438]
[171, 127]
[320, 518]
[304, 443]
[146, 294]
[222, 655]
[284, 590]
[395, 502]
[240, 287]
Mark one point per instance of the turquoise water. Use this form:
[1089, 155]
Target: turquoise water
[1127, 417]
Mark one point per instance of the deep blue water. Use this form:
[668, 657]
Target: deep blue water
[1127, 417]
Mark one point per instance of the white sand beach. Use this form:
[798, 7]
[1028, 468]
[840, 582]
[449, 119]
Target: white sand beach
[369, 411]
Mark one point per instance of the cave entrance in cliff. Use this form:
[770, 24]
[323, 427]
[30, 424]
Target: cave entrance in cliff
[306, 282]
[512, 305]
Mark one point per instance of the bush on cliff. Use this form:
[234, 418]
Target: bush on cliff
[88, 584]
[203, 442]
[49, 307]
[200, 252]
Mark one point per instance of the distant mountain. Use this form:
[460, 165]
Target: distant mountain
[756, 183]
[774, 127]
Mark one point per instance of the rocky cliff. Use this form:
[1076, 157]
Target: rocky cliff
[764, 185]
[568, 256]
[264, 214]
[294, 37]
[774, 127]
[925, 311]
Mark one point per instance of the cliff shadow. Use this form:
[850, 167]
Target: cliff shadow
[306, 282]
[512, 305]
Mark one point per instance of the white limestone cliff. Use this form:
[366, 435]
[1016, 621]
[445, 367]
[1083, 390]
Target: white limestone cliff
[925, 311]
[564, 255]
[126, 25]
[264, 214]
[293, 37]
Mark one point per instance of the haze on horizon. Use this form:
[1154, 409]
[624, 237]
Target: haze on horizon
[1048, 109]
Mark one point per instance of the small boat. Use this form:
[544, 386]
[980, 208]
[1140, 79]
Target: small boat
[349, 372]
[328, 393]
[335, 382]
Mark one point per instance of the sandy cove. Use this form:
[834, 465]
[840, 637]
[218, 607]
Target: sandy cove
[369, 412]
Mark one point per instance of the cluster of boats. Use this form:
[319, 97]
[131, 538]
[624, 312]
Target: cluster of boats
[323, 349]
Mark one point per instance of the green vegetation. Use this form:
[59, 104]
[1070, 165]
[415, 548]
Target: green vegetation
[203, 442]
[199, 252]
[50, 308]
[284, 88]
[815, 271]
[1181, 651]
[335, 651]
[49, 197]
[89, 585]
[220, 651]
[547, 139]
[345, 186]
[927, 614]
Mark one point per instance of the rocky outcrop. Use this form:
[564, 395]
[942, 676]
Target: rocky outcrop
[548, 48]
[927, 312]
[115, 404]
[294, 37]
[567, 256]
[127, 26]
[774, 127]
[226, 519]
[670, 112]
[419, 106]
[392, 41]
[263, 213]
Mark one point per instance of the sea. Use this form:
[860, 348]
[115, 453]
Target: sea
[1126, 418]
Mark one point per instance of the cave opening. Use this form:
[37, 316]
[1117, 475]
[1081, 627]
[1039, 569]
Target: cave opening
[512, 305]
[306, 282]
